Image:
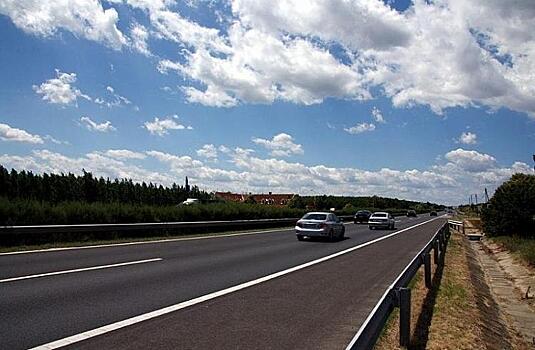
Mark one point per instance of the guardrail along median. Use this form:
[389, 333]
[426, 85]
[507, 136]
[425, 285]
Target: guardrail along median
[399, 296]
[40, 234]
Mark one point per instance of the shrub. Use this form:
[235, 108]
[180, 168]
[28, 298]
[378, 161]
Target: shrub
[512, 208]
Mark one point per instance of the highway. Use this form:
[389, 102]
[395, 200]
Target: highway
[51, 295]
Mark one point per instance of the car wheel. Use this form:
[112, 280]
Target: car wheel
[300, 237]
[331, 235]
[371, 227]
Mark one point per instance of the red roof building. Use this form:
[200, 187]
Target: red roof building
[278, 199]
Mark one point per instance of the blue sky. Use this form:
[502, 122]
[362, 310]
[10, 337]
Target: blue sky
[354, 98]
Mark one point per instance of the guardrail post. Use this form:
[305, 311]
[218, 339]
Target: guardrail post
[441, 243]
[404, 299]
[435, 252]
[427, 270]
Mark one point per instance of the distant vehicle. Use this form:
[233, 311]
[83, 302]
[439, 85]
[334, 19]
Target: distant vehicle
[411, 213]
[190, 201]
[362, 216]
[433, 213]
[381, 219]
[320, 224]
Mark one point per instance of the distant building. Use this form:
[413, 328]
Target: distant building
[231, 197]
[277, 199]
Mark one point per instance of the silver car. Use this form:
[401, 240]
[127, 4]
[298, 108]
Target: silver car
[320, 224]
[381, 219]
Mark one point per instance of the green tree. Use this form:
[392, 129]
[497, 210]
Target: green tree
[512, 208]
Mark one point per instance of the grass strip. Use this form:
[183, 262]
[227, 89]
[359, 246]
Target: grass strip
[521, 248]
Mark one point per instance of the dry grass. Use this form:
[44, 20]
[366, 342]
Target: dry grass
[444, 317]
[523, 249]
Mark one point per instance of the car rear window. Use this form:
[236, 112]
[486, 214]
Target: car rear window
[380, 215]
[315, 216]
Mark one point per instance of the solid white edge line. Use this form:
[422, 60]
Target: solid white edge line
[12, 279]
[155, 241]
[136, 319]
[370, 315]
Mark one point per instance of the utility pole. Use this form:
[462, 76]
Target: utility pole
[476, 197]
[486, 195]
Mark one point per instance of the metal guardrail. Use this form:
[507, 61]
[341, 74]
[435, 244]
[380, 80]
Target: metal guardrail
[398, 295]
[456, 225]
[88, 228]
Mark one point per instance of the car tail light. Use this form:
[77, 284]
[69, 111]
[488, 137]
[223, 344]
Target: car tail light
[298, 224]
[322, 225]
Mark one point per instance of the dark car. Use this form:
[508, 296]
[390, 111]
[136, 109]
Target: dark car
[433, 213]
[411, 213]
[362, 216]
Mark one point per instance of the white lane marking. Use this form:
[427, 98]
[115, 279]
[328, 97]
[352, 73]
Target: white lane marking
[370, 315]
[79, 270]
[140, 318]
[143, 242]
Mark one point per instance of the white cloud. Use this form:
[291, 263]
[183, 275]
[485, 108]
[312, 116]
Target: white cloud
[54, 140]
[99, 164]
[123, 154]
[377, 115]
[7, 133]
[471, 161]
[260, 68]
[443, 54]
[59, 90]
[357, 24]
[161, 127]
[140, 35]
[468, 138]
[83, 18]
[281, 145]
[93, 126]
[212, 96]
[448, 62]
[178, 164]
[208, 151]
[360, 128]
[447, 183]
[114, 99]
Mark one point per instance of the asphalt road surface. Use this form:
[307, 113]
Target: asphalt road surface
[52, 295]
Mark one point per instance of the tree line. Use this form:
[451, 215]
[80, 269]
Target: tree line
[57, 188]
[348, 203]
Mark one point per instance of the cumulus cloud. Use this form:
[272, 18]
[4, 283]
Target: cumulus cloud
[360, 128]
[208, 151]
[113, 99]
[123, 154]
[357, 24]
[83, 18]
[471, 161]
[377, 115]
[444, 183]
[468, 138]
[8, 133]
[99, 164]
[60, 90]
[93, 126]
[443, 54]
[140, 35]
[161, 127]
[281, 145]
